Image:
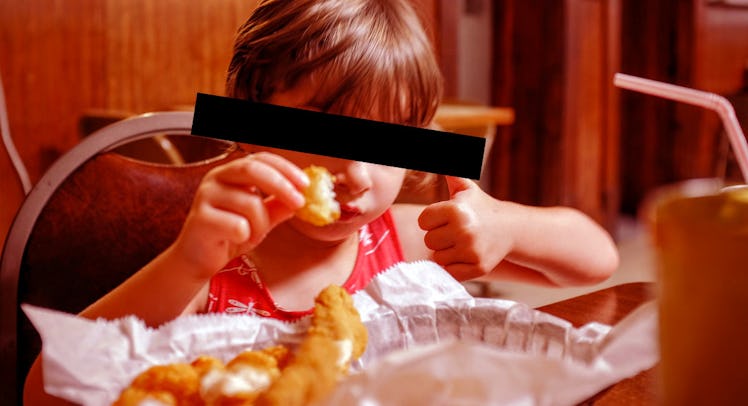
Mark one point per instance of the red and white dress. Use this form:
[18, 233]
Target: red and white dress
[237, 288]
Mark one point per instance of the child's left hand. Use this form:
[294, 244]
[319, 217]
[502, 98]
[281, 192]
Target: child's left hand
[462, 231]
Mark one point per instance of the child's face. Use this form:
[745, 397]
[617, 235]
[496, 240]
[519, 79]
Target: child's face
[364, 190]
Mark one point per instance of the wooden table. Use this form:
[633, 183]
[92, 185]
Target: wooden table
[609, 306]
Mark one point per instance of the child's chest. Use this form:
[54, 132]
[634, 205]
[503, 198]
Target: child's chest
[292, 285]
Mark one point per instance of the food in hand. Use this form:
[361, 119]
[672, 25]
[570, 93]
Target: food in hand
[321, 208]
[275, 375]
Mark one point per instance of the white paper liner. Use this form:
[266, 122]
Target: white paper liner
[422, 325]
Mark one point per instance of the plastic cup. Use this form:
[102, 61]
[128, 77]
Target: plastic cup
[701, 245]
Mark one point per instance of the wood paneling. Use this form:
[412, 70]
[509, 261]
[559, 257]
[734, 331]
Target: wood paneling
[502, 90]
[554, 64]
[590, 109]
[649, 50]
[719, 60]
[59, 59]
[529, 67]
[447, 13]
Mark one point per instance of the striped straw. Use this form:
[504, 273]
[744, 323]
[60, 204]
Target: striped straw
[707, 100]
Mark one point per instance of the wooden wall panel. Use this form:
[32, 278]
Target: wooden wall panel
[446, 41]
[502, 84]
[59, 59]
[590, 128]
[536, 91]
[649, 49]
[168, 62]
[721, 47]
[719, 60]
[556, 71]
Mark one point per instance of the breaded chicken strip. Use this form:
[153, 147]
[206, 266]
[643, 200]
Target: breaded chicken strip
[335, 338]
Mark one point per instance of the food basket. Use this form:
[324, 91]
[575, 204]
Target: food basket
[429, 341]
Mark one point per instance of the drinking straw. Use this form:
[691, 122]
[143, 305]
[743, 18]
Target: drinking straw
[711, 101]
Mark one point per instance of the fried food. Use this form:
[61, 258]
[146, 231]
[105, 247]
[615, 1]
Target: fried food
[172, 384]
[335, 338]
[275, 375]
[243, 378]
[321, 208]
[142, 397]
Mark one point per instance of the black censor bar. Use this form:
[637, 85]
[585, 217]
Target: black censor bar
[338, 136]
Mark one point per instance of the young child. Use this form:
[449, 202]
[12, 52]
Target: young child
[241, 247]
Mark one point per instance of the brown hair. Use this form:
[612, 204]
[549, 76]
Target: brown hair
[368, 58]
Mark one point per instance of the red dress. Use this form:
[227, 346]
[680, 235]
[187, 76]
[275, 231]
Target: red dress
[237, 288]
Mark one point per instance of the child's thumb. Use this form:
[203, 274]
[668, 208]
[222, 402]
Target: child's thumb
[278, 212]
[456, 185]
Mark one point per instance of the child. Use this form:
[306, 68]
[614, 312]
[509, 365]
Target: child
[241, 248]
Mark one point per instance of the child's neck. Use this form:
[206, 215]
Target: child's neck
[295, 269]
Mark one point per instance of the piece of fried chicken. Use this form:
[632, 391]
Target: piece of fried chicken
[172, 384]
[320, 208]
[271, 376]
[243, 378]
[335, 338]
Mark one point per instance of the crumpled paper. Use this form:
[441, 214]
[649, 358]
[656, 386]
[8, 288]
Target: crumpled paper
[459, 371]
[423, 327]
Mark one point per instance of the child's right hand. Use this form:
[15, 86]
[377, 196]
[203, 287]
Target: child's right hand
[234, 208]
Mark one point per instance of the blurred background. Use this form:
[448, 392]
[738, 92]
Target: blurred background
[575, 139]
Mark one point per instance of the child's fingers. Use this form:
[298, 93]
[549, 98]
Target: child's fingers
[447, 212]
[221, 225]
[232, 198]
[439, 238]
[286, 167]
[277, 212]
[463, 272]
[253, 173]
[434, 216]
[255, 212]
[459, 264]
[261, 213]
[244, 171]
[446, 257]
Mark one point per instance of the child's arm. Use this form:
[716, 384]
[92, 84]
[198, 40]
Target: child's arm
[472, 235]
[33, 390]
[229, 215]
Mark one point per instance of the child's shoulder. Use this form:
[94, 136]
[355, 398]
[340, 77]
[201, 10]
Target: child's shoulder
[411, 236]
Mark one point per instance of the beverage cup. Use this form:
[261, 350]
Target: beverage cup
[701, 247]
